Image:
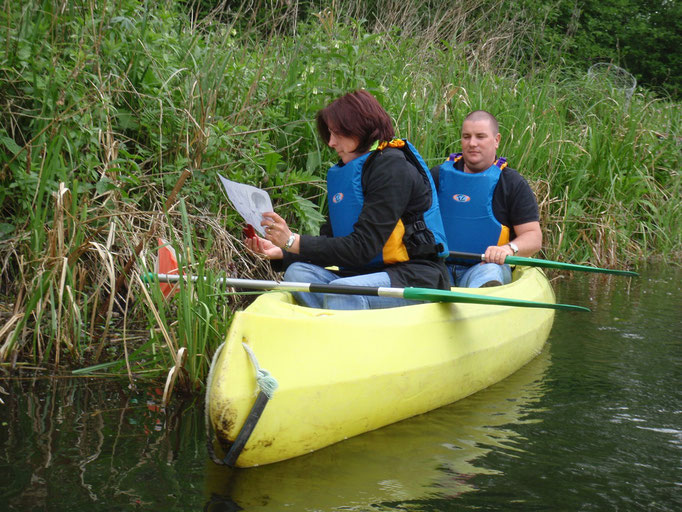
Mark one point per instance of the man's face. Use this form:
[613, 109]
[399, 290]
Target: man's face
[479, 145]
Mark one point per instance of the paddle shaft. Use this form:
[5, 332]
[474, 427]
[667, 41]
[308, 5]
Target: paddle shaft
[422, 294]
[534, 262]
[292, 286]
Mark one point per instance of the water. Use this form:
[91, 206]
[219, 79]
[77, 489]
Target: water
[593, 423]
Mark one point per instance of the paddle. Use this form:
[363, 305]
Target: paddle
[534, 262]
[423, 294]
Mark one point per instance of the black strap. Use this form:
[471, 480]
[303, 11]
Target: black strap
[435, 174]
[244, 434]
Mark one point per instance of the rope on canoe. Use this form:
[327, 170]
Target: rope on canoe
[266, 382]
[267, 385]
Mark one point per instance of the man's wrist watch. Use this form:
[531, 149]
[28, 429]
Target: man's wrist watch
[290, 242]
[514, 247]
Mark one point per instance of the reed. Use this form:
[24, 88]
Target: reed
[103, 104]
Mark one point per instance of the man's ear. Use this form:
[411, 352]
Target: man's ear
[498, 137]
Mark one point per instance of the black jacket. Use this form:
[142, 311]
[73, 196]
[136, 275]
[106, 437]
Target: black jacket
[393, 189]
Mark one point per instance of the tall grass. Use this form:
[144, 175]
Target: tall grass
[104, 104]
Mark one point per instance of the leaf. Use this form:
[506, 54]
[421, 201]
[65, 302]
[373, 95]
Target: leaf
[10, 144]
[271, 160]
[311, 218]
[313, 162]
[5, 230]
[105, 185]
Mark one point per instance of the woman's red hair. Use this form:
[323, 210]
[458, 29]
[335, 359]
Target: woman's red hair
[356, 114]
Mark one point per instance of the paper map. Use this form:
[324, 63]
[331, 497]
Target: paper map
[250, 202]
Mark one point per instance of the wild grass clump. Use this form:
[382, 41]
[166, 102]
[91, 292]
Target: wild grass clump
[105, 105]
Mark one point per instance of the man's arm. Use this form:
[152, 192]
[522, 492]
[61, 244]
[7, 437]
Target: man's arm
[528, 240]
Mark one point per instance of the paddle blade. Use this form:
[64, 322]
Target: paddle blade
[167, 263]
[535, 262]
[434, 295]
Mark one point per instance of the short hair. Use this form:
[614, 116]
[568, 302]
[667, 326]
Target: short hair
[356, 114]
[480, 115]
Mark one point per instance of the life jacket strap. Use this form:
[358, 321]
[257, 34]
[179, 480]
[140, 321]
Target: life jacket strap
[501, 162]
[395, 143]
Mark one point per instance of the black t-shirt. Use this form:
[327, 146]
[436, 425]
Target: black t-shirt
[514, 202]
[393, 189]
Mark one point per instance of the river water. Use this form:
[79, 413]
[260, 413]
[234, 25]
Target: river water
[593, 423]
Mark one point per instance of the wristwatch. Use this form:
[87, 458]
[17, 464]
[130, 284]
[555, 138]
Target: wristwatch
[514, 247]
[290, 242]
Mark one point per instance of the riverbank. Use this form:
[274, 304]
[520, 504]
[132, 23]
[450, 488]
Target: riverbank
[105, 106]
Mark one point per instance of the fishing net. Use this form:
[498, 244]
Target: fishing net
[614, 77]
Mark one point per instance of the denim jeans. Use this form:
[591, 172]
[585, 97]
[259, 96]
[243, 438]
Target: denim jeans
[477, 275]
[309, 273]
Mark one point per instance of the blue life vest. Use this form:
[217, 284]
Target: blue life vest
[409, 238]
[466, 205]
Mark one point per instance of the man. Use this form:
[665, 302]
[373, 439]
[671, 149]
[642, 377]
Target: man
[487, 208]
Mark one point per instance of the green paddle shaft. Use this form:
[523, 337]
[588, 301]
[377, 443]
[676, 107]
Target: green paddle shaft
[534, 262]
[434, 295]
[423, 294]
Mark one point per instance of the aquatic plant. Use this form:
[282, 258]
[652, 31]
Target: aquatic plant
[104, 105]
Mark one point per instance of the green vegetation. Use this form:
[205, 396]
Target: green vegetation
[104, 104]
[642, 36]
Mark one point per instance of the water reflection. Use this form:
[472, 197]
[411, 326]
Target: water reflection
[597, 427]
[435, 455]
[68, 444]
[72, 444]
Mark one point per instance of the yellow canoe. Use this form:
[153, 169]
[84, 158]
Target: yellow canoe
[439, 453]
[342, 373]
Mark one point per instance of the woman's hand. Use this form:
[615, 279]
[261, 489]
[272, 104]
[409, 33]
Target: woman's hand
[277, 231]
[264, 247]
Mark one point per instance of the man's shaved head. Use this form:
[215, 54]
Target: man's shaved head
[482, 115]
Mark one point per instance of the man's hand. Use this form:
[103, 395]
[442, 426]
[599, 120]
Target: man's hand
[498, 253]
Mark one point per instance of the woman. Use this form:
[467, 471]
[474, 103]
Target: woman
[384, 227]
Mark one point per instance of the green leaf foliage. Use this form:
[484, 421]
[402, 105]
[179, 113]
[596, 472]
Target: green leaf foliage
[103, 105]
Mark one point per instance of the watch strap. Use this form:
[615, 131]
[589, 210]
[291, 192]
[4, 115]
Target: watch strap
[291, 240]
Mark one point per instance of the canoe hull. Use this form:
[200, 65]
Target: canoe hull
[342, 373]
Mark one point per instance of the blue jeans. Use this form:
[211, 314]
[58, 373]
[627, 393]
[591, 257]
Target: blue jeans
[309, 273]
[477, 275]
